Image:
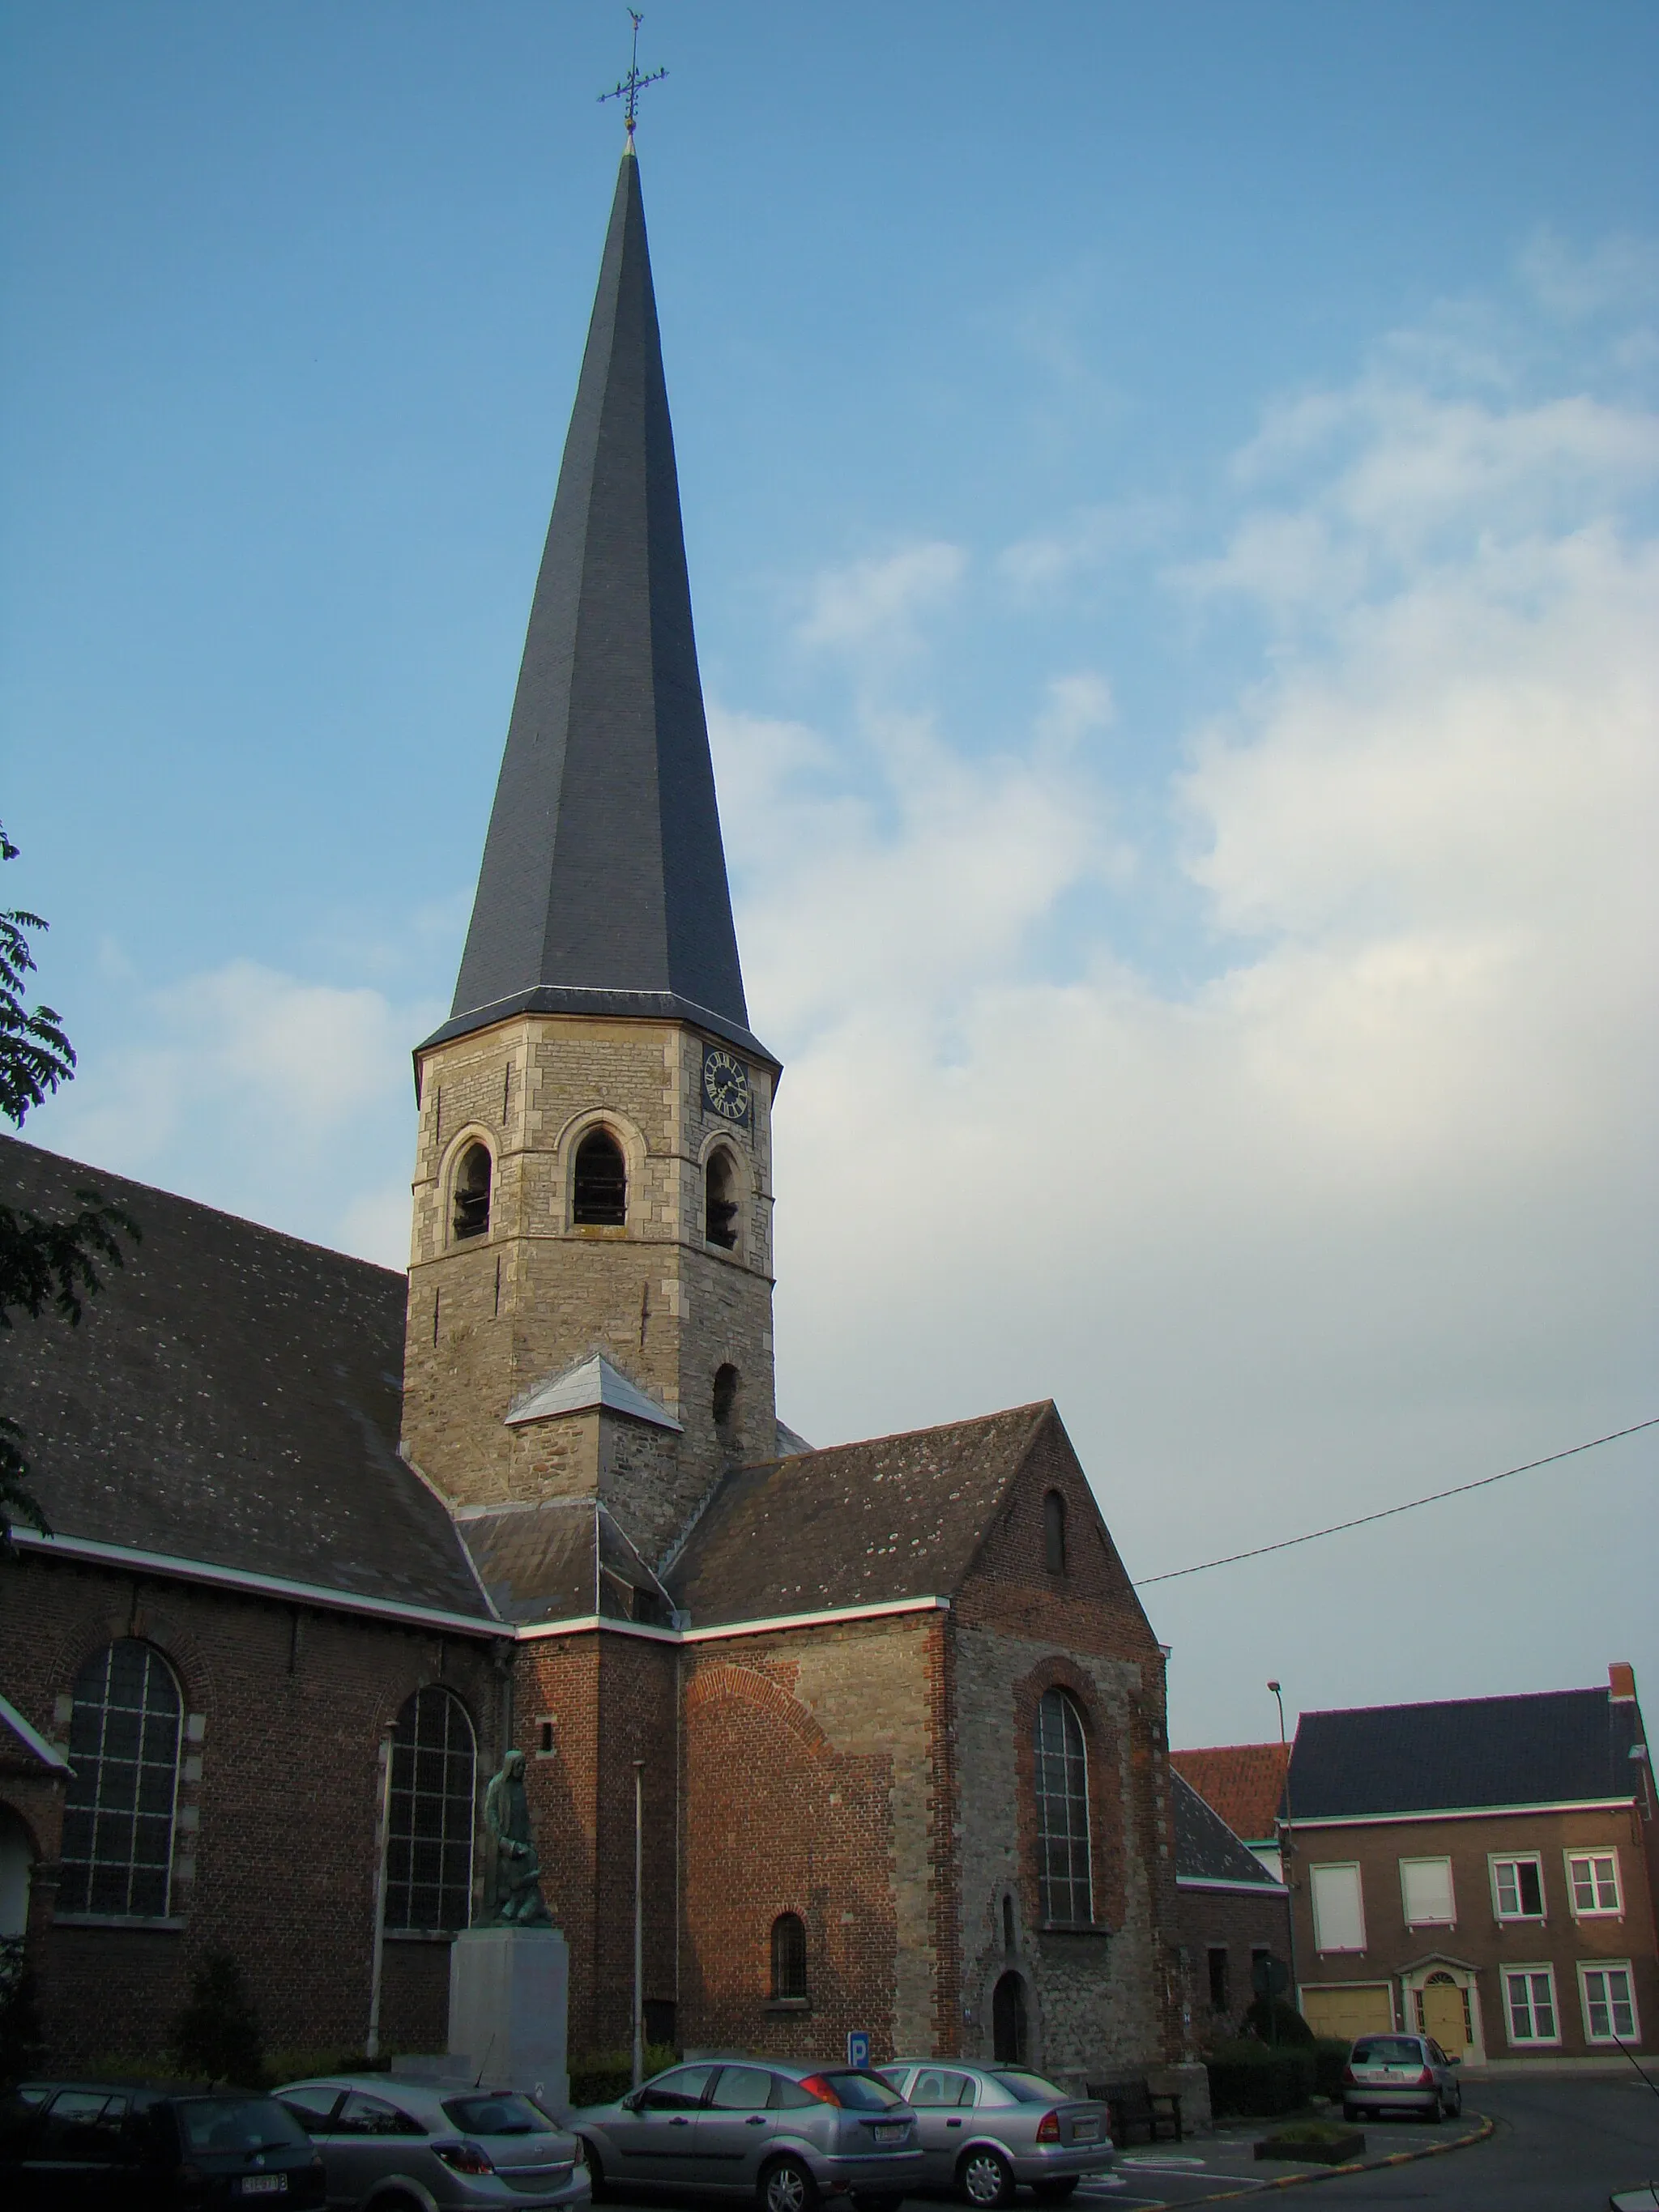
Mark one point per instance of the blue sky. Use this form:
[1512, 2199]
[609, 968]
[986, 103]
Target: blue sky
[1169, 496]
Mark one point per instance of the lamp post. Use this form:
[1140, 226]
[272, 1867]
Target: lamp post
[639, 1922]
[1287, 1847]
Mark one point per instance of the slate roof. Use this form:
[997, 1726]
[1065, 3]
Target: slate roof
[564, 1560]
[1558, 1746]
[604, 886]
[232, 1397]
[1242, 1781]
[857, 1525]
[1206, 1849]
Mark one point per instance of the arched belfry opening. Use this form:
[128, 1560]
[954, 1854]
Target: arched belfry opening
[599, 1182]
[720, 1200]
[474, 1172]
[728, 1387]
[1054, 1533]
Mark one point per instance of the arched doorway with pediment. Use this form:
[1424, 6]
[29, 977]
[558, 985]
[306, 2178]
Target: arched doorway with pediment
[1442, 1998]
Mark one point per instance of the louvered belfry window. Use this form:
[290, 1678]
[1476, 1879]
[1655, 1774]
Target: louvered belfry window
[118, 1806]
[1062, 1810]
[428, 1855]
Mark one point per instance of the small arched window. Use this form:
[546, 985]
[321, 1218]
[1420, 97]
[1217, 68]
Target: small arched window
[600, 1197]
[720, 1200]
[123, 1785]
[728, 1382]
[429, 1849]
[471, 1217]
[1007, 1922]
[1062, 1811]
[1054, 1533]
[789, 1956]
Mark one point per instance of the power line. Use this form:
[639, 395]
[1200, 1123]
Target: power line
[1288, 1543]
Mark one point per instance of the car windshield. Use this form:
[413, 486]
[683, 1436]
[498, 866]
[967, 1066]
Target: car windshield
[1388, 2050]
[1030, 2089]
[239, 2124]
[497, 2116]
[864, 2093]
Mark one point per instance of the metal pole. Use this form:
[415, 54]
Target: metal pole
[1287, 1851]
[639, 1922]
[372, 2040]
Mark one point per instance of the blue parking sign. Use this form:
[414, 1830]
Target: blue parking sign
[858, 2046]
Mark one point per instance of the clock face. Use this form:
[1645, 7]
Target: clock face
[726, 1083]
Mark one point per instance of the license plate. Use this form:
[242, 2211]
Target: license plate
[890, 2134]
[263, 2184]
[1085, 2130]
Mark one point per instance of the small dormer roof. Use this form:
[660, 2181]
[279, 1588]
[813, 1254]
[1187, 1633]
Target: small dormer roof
[591, 1382]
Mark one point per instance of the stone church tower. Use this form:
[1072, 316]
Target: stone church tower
[589, 1300]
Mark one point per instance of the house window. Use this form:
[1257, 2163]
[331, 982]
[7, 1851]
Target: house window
[1339, 1908]
[1609, 2004]
[1426, 1890]
[1062, 1811]
[124, 1780]
[1529, 2000]
[428, 1854]
[720, 1200]
[599, 1196]
[1054, 1533]
[471, 1217]
[1219, 1996]
[1593, 1883]
[789, 1958]
[1517, 1889]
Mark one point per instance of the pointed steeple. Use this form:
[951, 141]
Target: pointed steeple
[604, 887]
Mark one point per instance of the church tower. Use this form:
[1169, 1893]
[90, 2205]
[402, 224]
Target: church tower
[590, 1297]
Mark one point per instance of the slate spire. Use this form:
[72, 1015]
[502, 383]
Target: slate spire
[604, 887]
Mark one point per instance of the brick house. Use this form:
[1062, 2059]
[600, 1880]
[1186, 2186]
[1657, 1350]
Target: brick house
[1233, 1911]
[1486, 1869]
[327, 1540]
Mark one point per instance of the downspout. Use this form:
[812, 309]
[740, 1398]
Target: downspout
[372, 2040]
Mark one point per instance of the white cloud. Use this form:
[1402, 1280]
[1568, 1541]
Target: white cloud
[880, 601]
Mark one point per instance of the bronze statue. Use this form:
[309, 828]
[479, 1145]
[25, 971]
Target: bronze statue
[518, 1901]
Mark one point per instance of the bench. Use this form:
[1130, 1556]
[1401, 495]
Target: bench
[1133, 2104]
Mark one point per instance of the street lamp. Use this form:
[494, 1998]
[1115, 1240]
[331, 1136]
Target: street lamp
[1287, 1846]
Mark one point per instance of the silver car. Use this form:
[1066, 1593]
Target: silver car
[788, 2135]
[1401, 2073]
[435, 2144]
[987, 2129]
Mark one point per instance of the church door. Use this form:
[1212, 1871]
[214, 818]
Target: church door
[1008, 2032]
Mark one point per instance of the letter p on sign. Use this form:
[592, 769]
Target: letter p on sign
[858, 2046]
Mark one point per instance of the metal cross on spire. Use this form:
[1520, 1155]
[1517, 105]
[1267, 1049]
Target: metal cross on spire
[628, 88]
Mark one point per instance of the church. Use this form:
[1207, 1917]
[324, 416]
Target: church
[327, 1541]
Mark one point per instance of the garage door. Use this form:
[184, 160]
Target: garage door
[1357, 2009]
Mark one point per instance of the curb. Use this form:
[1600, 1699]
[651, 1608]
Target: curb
[1488, 2127]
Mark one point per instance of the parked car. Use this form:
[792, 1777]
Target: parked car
[125, 2147]
[1401, 2073]
[788, 2134]
[986, 2129]
[435, 2144]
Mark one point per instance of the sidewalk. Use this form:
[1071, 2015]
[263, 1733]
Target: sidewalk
[1224, 2163]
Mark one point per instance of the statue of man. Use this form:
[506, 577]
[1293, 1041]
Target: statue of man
[519, 1902]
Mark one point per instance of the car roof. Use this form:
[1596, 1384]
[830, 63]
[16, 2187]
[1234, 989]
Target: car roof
[127, 2085]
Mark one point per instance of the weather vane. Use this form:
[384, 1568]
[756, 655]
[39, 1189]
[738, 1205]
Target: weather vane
[630, 86]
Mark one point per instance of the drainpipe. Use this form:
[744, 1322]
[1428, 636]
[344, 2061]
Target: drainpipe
[372, 2040]
[639, 1922]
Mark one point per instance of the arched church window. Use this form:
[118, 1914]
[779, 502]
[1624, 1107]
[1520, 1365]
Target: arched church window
[720, 1200]
[429, 1851]
[1010, 2035]
[789, 1956]
[1054, 1533]
[1062, 1811]
[472, 1179]
[726, 1385]
[599, 1199]
[124, 1782]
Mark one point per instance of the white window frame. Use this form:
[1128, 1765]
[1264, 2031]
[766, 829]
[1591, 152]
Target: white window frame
[1338, 1950]
[1412, 1919]
[1598, 1911]
[1530, 2042]
[1496, 1859]
[1586, 1968]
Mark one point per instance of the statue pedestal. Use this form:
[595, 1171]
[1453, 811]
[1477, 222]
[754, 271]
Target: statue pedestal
[507, 2010]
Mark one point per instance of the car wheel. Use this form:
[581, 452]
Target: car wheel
[596, 2182]
[786, 2187]
[1056, 2192]
[1454, 2110]
[985, 2179]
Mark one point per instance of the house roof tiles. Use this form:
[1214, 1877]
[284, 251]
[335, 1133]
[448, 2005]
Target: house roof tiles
[1240, 1781]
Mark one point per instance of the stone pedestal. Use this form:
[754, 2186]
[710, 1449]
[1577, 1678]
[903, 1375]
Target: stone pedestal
[506, 2011]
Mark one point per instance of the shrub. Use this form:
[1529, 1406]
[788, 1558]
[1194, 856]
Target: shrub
[1250, 2081]
[217, 2037]
[1330, 2063]
[21, 2039]
[299, 2064]
[1276, 2019]
[602, 2076]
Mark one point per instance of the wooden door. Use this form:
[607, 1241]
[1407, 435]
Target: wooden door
[1446, 2016]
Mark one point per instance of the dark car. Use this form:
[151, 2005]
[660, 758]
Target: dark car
[120, 2147]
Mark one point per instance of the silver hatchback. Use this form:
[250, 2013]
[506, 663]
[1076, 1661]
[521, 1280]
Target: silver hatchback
[788, 2135]
[439, 2145]
[987, 2129]
[1401, 2073]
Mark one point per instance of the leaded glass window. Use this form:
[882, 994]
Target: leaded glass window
[118, 1806]
[788, 1956]
[428, 1853]
[1062, 1809]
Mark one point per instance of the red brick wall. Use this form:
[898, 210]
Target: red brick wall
[1237, 1924]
